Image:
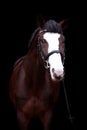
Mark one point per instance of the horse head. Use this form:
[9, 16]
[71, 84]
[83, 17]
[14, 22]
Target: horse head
[51, 44]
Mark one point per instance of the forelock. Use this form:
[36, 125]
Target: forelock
[52, 26]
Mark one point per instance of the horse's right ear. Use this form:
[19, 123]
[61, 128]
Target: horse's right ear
[65, 23]
[40, 21]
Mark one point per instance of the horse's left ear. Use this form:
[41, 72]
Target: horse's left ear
[40, 21]
[65, 23]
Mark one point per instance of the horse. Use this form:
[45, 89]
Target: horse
[36, 77]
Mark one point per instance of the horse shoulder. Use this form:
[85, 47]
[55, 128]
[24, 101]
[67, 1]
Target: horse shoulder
[17, 78]
[19, 61]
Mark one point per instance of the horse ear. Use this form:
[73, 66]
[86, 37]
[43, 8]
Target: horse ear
[65, 23]
[40, 21]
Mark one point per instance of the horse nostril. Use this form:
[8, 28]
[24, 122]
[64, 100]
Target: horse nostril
[53, 70]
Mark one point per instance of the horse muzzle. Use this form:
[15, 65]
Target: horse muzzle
[57, 74]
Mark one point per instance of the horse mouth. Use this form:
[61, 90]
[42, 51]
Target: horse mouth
[58, 78]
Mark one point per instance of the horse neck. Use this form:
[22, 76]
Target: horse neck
[34, 65]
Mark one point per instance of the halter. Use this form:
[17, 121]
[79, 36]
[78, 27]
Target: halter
[45, 57]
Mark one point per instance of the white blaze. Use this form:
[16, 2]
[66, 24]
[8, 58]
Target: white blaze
[55, 59]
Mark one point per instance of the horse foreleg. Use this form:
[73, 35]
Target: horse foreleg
[22, 120]
[46, 120]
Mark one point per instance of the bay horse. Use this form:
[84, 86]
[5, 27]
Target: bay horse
[35, 81]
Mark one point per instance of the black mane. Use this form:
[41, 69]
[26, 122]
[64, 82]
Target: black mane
[32, 37]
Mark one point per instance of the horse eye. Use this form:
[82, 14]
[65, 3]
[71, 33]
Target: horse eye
[43, 41]
[63, 42]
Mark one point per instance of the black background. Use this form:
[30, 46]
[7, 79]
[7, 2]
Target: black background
[18, 21]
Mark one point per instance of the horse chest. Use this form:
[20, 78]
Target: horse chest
[39, 102]
[36, 106]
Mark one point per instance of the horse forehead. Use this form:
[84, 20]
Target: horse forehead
[52, 39]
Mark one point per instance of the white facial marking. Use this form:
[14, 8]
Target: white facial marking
[56, 66]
